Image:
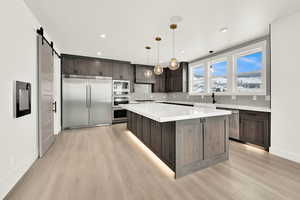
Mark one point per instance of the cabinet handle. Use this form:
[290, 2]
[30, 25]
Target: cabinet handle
[54, 108]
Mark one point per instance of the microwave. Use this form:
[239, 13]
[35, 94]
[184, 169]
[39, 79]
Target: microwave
[121, 86]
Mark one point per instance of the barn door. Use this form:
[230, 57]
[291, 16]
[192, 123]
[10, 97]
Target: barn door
[45, 96]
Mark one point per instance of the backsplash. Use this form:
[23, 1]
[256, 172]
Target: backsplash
[260, 101]
[144, 91]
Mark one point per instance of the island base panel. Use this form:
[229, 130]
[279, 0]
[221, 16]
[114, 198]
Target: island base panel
[185, 146]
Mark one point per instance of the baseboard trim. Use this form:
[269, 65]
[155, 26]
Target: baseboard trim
[27, 167]
[285, 154]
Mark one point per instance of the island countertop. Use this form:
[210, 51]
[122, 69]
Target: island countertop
[165, 112]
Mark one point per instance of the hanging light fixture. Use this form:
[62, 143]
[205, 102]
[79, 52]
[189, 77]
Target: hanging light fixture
[148, 73]
[173, 62]
[210, 63]
[158, 69]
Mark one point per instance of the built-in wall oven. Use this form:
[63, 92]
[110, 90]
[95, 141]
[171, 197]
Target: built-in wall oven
[121, 95]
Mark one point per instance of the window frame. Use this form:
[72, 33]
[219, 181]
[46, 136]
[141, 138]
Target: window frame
[219, 59]
[191, 67]
[231, 58]
[259, 47]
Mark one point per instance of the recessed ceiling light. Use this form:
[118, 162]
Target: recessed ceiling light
[223, 30]
[103, 35]
[98, 53]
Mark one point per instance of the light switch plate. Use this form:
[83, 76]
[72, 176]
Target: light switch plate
[254, 98]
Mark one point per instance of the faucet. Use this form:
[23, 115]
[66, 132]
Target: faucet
[213, 97]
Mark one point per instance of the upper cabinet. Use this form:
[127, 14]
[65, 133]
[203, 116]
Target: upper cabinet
[79, 65]
[144, 74]
[172, 80]
[160, 83]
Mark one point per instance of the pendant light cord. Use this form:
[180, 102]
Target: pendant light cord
[157, 52]
[173, 43]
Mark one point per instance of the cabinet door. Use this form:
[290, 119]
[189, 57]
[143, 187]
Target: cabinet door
[156, 138]
[67, 65]
[214, 136]
[124, 71]
[234, 131]
[131, 77]
[139, 127]
[254, 128]
[116, 71]
[129, 121]
[106, 69]
[134, 123]
[168, 143]
[140, 74]
[146, 131]
[83, 66]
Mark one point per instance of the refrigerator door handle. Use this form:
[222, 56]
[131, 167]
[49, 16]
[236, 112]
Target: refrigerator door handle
[90, 93]
[87, 95]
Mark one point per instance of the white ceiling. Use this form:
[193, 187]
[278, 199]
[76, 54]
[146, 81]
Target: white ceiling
[130, 25]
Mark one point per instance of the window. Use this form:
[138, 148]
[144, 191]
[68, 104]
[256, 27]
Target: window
[219, 73]
[249, 74]
[198, 79]
[238, 72]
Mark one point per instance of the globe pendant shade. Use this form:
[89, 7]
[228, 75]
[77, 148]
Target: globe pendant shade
[158, 70]
[173, 64]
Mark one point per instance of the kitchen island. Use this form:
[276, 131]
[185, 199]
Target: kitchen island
[187, 139]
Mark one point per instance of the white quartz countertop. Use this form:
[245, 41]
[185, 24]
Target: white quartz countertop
[229, 106]
[167, 112]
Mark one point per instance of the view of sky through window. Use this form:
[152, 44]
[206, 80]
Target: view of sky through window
[249, 69]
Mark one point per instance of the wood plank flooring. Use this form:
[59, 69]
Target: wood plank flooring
[107, 163]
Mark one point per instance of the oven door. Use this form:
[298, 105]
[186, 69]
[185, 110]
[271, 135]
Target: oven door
[121, 100]
[119, 114]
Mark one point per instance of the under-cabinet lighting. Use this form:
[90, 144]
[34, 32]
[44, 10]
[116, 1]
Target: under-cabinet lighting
[162, 166]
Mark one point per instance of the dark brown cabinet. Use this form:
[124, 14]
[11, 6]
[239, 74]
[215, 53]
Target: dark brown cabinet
[80, 65]
[146, 131]
[67, 65]
[255, 128]
[156, 138]
[121, 71]
[160, 83]
[140, 74]
[168, 143]
[159, 137]
[176, 80]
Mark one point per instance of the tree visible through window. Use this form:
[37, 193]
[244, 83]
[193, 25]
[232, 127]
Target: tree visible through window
[249, 71]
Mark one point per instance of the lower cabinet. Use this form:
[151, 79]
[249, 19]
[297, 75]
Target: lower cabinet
[255, 128]
[146, 131]
[159, 137]
[214, 135]
[156, 138]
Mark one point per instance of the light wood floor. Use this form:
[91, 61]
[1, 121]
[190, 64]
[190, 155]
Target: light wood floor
[108, 163]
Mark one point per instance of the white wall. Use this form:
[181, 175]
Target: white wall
[18, 55]
[285, 44]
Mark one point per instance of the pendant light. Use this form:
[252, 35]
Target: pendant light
[173, 62]
[158, 69]
[148, 73]
[210, 62]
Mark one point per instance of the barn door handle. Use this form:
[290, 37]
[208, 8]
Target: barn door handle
[54, 108]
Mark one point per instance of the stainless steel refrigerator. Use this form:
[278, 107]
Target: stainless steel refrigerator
[87, 101]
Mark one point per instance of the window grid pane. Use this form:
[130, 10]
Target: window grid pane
[249, 72]
[198, 79]
[219, 76]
